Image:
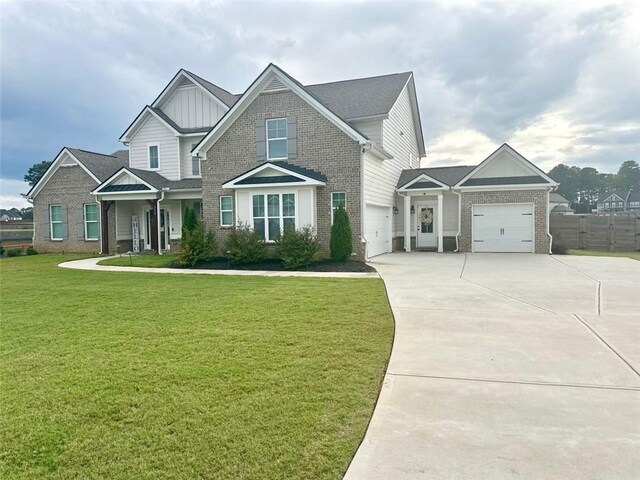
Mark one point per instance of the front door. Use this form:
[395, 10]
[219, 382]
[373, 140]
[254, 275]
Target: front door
[426, 222]
[164, 229]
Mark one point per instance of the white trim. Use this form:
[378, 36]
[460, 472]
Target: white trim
[139, 122]
[517, 156]
[221, 210]
[285, 138]
[484, 188]
[183, 73]
[305, 181]
[96, 191]
[422, 176]
[53, 168]
[254, 90]
[51, 222]
[281, 216]
[533, 222]
[85, 221]
[157, 145]
[332, 207]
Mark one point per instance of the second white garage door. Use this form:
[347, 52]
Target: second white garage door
[503, 228]
[378, 230]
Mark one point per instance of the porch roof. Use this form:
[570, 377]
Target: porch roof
[447, 175]
[288, 174]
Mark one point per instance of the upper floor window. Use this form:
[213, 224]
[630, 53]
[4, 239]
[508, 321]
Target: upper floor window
[154, 157]
[91, 228]
[338, 199]
[195, 162]
[55, 219]
[276, 138]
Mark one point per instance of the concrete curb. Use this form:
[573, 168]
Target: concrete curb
[92, 264]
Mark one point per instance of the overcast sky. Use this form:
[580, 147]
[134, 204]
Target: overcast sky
[559, 81]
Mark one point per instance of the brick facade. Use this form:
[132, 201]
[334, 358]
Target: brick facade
[69, 187]
[537, 197]
[320, 146]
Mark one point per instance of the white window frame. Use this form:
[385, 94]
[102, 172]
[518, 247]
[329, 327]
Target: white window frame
[149, 145]
[333, 208]
[280, 216]
[196, 159]
[634, 204]
[222, 224]
[285, 138]
[51, 222]
[96, 221]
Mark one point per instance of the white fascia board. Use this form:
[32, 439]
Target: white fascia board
[123, 170]
[314, 183]
[168, 90]
[305, 180]
[253, 91]
[423, 176]
[379, 152]
[142, 195]
[53, 168]
[518, 157]
[484, 188]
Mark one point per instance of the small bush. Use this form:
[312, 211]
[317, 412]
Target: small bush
[14, 252]
[298, 248]
[197, 246]
[340, 245]
[244, 246]
[31, 251]
[1, 250]
[189, 221]
[557, 248]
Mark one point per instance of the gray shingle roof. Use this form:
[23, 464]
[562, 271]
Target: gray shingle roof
[101, 165]
[158, 181]
[474, 182]
[362, 97]
[226, 97]
[557, 198]
[447, 175]
[175, 126]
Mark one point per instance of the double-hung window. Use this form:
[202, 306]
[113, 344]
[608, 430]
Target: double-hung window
[154, 157]
[195, 162]
[91, 228]
[277, 138]
[226, 211]
[55, 219]
[338, 199]
[273, 213]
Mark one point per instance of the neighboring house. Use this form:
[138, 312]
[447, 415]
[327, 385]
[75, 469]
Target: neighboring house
[283, 155]
[7, 215]
[558, 205]
[620, 201]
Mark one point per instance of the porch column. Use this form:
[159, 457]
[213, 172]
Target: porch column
[440, 226]
[407, 223]
[105, 205]
[153, 230]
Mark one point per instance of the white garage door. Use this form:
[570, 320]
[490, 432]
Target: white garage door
[378, 230]
[503, 228]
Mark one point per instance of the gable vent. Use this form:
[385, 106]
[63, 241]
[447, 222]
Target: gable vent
[275, 85]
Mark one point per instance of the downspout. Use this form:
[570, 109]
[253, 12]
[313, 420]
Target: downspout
[459, 218]
[549, 231]
[100, 210]
[158, 220]
[363, 239]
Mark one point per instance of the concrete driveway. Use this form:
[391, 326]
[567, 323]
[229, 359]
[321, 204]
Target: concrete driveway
[508, 366]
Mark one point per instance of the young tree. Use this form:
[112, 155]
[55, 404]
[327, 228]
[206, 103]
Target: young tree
[35, 172]
[340, 244]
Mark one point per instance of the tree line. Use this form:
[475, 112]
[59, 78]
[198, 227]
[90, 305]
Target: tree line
[583, 186]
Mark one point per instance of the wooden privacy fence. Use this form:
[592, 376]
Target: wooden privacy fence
[591, 232]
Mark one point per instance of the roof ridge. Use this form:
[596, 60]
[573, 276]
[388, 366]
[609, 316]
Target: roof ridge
[93, 153]
[359, 78]
[205, 80]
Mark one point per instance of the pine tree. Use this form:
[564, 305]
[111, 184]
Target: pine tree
[341, 243]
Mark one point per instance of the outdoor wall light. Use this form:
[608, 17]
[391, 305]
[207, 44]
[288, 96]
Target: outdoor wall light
[413, 209]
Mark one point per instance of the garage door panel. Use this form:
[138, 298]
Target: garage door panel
[503, 228]
[378, 230]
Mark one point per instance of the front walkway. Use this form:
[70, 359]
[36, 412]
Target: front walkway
[508, 366]
[92, 264]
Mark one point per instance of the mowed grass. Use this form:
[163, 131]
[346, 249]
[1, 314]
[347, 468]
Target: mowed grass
[598, 253]
[141, 260]
[148, 376]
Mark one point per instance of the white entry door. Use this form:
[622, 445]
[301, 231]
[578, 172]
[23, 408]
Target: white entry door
[503, 228]
[426, 216]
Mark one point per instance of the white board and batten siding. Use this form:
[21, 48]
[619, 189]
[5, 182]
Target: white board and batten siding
[505, 165]
[191, 107]
[155, 132]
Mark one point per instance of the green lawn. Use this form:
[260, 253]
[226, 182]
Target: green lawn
[148, 376]
[598, 253]
[141, 260]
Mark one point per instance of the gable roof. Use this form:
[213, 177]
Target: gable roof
[447, 175]
[625, 195]
[290, 173]
[98, 166]
[539, 178]
[557, 198]
[229, 99]
[150, 180]
[164, 117]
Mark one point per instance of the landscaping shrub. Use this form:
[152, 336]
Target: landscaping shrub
[14, 252]
[340, 245]
[557, 246]
[197, 245]
[189, 220]
[1, 250]
[298, 248]
[244, 246]
[31, 251]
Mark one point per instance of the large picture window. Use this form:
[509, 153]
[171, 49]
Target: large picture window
[91, 227]
[277, 138]
[55, 218]
[272, 213]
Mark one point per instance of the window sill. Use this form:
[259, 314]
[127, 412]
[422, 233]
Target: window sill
[56, 239]
[91, 239]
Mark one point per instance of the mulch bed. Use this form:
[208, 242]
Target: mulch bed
[276, 265]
